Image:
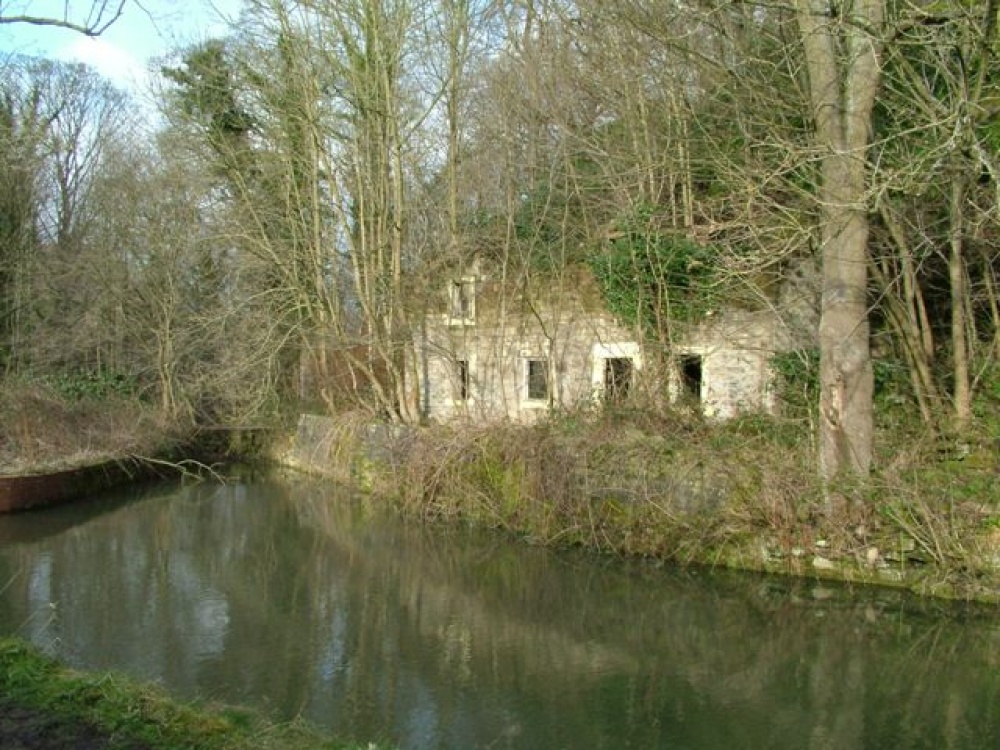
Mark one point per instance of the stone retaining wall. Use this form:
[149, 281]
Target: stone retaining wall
[345, 450]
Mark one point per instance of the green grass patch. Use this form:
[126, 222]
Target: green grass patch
[59, 707]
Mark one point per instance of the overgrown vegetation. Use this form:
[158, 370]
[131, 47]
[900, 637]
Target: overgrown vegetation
[741, 494]
[797, 374]
[650, 277]
[44, 704]
[62, 422]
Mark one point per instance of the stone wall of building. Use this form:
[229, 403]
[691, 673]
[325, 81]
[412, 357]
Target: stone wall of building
[518, 365]
[733, 351]
[482, 359]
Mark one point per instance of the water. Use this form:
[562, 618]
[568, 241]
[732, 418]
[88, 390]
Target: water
[299, 599]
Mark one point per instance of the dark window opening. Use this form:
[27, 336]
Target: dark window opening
[617, 378]
[462, 374]
[690, 372]
[538, 379]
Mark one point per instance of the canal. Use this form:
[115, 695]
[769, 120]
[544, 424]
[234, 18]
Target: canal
[299, 599]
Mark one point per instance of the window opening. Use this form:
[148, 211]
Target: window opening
[462, 299]
[617, 378]
[462, 375]
[538, 380]
[691, 375]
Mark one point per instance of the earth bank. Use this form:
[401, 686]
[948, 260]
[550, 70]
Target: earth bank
[742, 494]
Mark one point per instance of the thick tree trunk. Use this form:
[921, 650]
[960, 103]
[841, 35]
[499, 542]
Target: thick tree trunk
[846, 382]
[842, 47]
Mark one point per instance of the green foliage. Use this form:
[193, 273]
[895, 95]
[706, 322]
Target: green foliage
[649, 277]
[798, 380]
[756, 429]
[892, 382]
[78, 385]
[205, 89]
[206, 93]
[501, 481]
[549, 229]
[987, 402]
[77, 706]
[797, 374]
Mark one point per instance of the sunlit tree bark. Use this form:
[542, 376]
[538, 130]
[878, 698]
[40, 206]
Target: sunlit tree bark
[842, 46]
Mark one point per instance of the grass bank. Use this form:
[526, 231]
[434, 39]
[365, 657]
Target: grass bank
[55, 425]
[742, 494]
[45, 705]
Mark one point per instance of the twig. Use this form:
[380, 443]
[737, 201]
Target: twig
[182, 466]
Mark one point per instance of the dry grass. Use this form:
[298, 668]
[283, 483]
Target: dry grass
[743, 494]
[44, 430]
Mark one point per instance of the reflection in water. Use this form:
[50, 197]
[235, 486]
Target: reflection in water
[287, 595]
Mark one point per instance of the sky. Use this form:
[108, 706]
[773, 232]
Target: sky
[146, 30]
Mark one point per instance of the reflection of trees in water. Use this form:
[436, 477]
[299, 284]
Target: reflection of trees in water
[318, 603]
[831, 673]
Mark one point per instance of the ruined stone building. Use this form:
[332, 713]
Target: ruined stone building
[515, 349]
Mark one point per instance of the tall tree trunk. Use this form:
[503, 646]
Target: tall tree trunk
[842, 48]
[962, 393]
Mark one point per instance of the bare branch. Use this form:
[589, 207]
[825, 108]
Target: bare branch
[101, 16]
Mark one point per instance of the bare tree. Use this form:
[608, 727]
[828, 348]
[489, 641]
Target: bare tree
[87, 116]
[940, 78]
[58, 119]
[309, 121]
[24, 123]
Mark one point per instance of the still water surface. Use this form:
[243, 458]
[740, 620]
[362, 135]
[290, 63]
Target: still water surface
[299, 599]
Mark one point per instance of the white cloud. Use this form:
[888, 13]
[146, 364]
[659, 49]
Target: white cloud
[114, 63]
